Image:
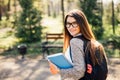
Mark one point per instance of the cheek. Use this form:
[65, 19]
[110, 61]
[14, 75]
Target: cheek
[78, 30]
[74, 32]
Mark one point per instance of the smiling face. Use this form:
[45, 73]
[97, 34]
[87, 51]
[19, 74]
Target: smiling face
[72, 26]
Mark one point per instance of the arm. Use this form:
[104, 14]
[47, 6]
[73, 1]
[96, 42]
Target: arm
[77, 52]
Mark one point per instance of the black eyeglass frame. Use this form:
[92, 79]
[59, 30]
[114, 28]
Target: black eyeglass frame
[74, 24]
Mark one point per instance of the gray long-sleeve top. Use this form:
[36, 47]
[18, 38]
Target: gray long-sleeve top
[78, 70]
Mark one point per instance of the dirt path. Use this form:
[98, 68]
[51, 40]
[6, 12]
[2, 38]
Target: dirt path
[38, 69]
[114, 69]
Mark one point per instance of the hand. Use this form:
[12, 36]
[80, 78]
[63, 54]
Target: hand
[53, 68]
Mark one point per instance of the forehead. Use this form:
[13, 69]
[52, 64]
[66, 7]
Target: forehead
[70, 19]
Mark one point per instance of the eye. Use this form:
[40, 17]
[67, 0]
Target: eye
[68, 23]
[74, 22]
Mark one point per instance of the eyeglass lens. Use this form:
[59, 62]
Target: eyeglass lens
[74, 24]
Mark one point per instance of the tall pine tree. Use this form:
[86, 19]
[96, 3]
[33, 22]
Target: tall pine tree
[28, 24]
[93, 12]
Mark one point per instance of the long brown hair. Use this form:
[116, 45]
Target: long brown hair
[86, 31]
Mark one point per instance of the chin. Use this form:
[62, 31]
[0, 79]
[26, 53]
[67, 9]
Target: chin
[73, 34]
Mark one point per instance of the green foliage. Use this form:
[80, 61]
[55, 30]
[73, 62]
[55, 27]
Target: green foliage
[5, 23]
[93, 14]
[28, 25]
[112, 45]
[98, 31]
[26, 4]
[115, 39]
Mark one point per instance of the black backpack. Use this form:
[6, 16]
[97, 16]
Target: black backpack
[99, 71]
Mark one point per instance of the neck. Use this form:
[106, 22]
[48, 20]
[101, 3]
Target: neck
[78, 34]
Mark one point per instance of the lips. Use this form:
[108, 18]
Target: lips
[72, 32]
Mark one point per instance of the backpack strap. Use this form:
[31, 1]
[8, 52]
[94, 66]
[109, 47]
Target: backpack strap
[85, 43]
[87, 53]
[87, 56]
[70, 54]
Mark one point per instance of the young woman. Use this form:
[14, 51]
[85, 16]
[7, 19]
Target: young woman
[76, 24]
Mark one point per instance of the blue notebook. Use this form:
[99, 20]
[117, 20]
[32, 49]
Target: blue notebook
[60, 61]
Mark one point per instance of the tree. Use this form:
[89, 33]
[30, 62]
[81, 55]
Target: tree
[28, 24]
[113, 19]
[0, 13]
[62, 8]
[1, 5]
[92, 10]
[9, 1]
[8, 9]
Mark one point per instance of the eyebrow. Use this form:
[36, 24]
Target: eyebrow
[71, 22]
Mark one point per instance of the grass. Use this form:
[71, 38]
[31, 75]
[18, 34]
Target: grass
[53, 25]
[7, 39]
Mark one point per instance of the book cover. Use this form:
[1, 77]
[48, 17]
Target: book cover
[60, 61]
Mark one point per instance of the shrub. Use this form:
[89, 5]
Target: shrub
[28, 24]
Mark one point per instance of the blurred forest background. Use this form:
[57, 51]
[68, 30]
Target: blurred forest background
[27, 21]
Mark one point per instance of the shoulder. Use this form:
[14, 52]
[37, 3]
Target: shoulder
[76, 41]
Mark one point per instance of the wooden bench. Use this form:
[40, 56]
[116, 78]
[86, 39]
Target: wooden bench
[51, 39]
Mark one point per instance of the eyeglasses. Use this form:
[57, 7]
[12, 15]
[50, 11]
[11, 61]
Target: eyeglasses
[74, 24]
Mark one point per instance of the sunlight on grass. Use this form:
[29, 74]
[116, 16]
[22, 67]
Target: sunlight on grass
[52, 25]
[7, 39]
[7, 42]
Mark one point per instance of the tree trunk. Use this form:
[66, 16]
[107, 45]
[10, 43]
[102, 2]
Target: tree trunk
[0, 13]
[62, 8]
[113, 23]
[1, 2]
[9, 1]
